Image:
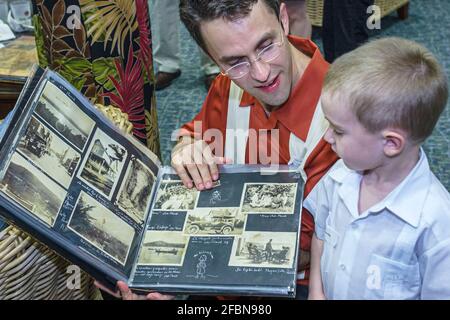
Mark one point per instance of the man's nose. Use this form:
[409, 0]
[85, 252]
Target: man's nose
[260, 70]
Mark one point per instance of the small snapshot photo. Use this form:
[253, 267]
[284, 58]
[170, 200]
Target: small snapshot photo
[264, 249]
[35, 191]
[215, 222]
[276, 198]
[136, 190]
[49, 152]
[174, 196]
[163, 248]
[102, 228]
[102, 167]
[60, 112]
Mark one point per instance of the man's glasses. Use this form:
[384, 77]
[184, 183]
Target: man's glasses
[266, 55]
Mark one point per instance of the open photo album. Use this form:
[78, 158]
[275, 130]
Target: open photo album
[103, 201]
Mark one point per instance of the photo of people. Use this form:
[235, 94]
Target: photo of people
[264, 249]
[102, 228]
[32, 189]
[56, 109]
[214, 222]
[163, 248]
[174, 196]
[277, 198]
[103, 165]
[49, 152]
[135, 193]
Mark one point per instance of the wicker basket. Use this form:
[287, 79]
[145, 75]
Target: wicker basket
[30, 270]
[315, 9]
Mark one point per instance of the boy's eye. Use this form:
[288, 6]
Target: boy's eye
[338, 133]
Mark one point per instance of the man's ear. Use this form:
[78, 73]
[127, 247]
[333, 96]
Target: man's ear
[284, 18]
[394, 142]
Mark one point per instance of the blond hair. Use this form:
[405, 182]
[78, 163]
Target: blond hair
[391, 83]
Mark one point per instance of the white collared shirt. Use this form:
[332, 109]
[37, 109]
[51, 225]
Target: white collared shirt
[397, 249]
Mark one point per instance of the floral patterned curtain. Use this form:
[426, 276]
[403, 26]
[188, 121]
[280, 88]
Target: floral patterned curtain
[104, 49]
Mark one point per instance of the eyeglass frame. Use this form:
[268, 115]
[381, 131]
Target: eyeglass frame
[258, 58]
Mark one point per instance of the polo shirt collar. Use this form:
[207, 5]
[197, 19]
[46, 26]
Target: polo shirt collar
[405, 201]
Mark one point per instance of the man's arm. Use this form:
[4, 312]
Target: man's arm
[315, 278]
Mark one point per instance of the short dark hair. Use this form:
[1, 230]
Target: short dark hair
[194, 12]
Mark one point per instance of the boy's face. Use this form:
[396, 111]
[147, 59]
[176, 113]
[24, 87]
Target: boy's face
[233, 42]
[360, 149]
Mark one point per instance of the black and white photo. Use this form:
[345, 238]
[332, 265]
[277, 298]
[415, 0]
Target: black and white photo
[277, 198]
[163, 248]
[214, 222]
[60, 112]
[35, 191]
[136, 190]
[49, 152]
[102, 167]
[174, 196]
[102, 228]
[264, 249]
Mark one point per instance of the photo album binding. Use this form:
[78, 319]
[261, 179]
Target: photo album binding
[102, 200]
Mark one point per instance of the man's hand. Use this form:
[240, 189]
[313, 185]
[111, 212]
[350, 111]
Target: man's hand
[195, 164]
[125, 293]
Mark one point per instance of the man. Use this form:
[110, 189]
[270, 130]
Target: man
[268, 94]
[270, 84]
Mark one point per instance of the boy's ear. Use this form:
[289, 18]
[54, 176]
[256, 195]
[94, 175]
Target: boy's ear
[394, 142]
[284, 18]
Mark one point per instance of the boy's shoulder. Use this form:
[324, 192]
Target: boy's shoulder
[437, 202]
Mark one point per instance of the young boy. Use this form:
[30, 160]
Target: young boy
[382, 217]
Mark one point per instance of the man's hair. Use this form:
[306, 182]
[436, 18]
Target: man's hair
[195, 12]
[391, 82]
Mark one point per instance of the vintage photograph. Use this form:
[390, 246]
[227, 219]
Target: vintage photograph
[214, 222]
[49, 152]
[102, 228]
[102, 167]
[277, 198]
[163, 248]
[31, 188]
[264, 249]
[136, 190]
[60, 112]
[174, 196]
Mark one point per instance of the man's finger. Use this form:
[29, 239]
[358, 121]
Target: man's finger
[184, 176]
[159, 296]
[195, 175]
[103, 288]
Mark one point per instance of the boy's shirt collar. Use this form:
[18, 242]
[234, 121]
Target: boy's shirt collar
[405, 201]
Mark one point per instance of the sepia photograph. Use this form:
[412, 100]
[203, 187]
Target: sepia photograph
[102, 167]
[102, 228]
[277, 198]
[31, 188]
[163, 248]
[264, 249]
[214, 222]
[136, 190]
[49, 152]
[60, 112]
[174, 196]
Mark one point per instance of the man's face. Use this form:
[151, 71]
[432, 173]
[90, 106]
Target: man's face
[360, 149]
[232, 42]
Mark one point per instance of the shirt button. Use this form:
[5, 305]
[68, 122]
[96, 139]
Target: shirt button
[342, 267]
